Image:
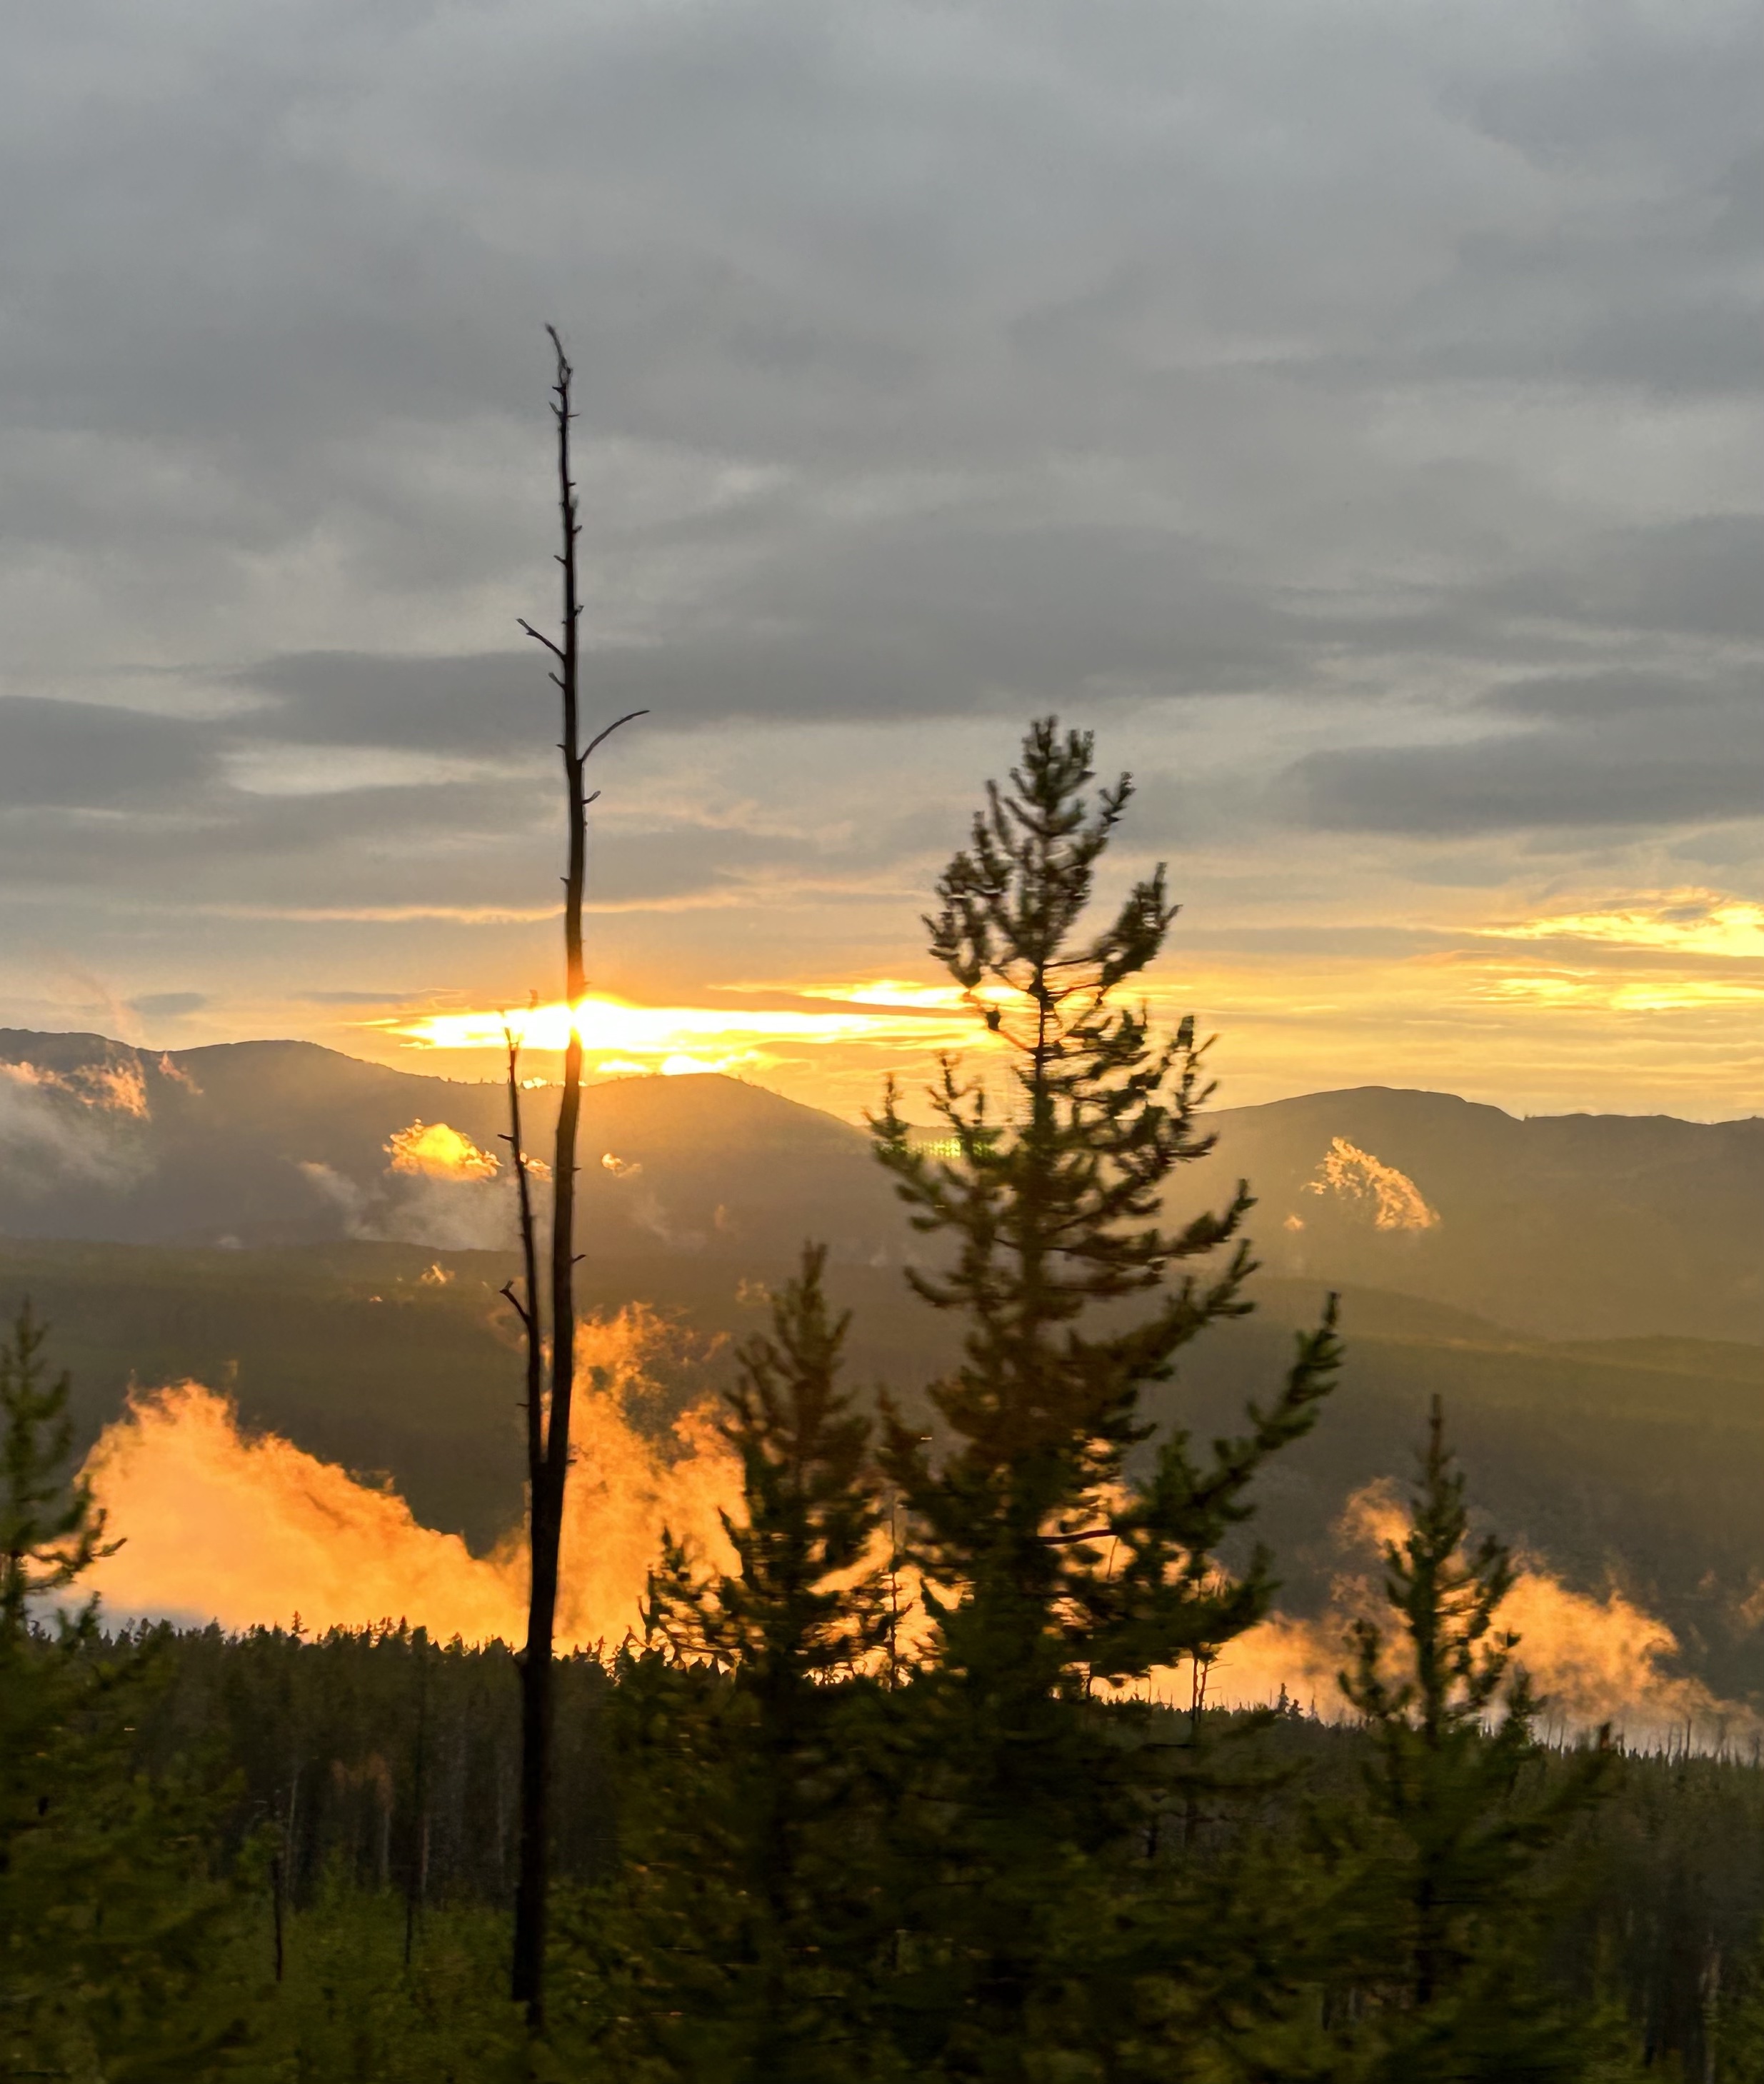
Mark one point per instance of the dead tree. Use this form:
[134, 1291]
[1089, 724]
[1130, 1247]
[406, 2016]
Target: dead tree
[547, 1429]
[525, 1299]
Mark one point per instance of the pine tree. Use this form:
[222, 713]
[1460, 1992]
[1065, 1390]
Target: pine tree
[1446, 1917]
[109, 1927]
[51, 1531]
[1060, 1547]
[747, 1923]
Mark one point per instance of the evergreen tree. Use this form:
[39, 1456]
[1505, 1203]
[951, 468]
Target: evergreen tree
[1445, 1914]
[748, 1922]
[108, 1926]
[1059, 1547]
[51, 1531]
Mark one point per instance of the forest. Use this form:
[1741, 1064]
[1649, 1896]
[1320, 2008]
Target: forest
[922, 1780]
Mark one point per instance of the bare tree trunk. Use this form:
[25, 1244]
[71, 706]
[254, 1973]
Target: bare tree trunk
[416, 1880]
[548, 1442]
[526, 1302]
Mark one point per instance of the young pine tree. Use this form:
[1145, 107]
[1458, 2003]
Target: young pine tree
[51, 1531]
[1466, 1819]
[1058, 1547]
[750, 1905]
[109, 1931]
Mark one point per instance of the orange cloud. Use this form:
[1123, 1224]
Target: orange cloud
[1700, 922]
[433, 1150]
[243, 1529]
[1355, 1174]
[1595, 1659]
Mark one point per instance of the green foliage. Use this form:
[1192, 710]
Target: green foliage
[1051, 1558]
[1225, 1941]
[108, 1914]
[51, 1531]
[353, 2007]
[806, 1603]
[1444, 1910]
[733, 1945]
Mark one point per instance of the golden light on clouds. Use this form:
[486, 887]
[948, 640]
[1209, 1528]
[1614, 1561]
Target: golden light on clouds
[893, 991]
[1621, 994]
[1692, 922]
[1633, 1001]
[1662, 952]
[435, 1150]
[622, 1039]
[1352, 1174]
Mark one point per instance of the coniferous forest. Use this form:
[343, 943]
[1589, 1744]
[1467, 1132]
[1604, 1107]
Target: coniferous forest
[925, 1785]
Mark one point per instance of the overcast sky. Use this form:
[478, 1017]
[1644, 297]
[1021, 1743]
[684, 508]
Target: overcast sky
[1354, 413]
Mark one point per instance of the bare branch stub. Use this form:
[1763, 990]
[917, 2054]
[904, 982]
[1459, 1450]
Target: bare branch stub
[520, 1309]
[538, 637]
[600, 738]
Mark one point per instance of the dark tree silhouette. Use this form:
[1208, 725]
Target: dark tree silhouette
[51, 1530]
[1464, 1817]
[548, 1432]
[1054, 1552]
[109, 1926]
[753, 1909]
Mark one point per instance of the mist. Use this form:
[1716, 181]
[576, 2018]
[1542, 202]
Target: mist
[223, 1524]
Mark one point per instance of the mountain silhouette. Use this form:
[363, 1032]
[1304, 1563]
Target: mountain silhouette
[282, 1143]
[1571, 1226]
[1579, 1227]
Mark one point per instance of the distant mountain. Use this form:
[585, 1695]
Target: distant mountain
[1575, 1226]
[284, 1143]
[1581, 1226]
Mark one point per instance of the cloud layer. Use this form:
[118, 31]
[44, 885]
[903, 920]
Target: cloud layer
[1351, 411]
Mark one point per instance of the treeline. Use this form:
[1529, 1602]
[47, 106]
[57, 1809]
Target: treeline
[360, 1786]
[891, 1797]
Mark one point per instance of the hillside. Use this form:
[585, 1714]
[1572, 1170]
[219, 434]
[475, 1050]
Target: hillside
[282, 1143]
[1634, 1462]
[1566, 1226]
[1580, 1226]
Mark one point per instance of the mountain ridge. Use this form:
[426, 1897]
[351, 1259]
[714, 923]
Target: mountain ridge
[1563, 1226]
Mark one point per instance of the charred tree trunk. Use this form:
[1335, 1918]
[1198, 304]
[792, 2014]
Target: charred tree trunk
[548, 1430]
[525, 1300]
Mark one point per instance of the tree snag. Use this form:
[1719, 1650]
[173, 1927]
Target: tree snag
[548, 1430]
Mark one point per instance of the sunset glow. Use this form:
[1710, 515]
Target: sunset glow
[623, 1040]
[1648, 999]
[1696, 922]
[435, 1150]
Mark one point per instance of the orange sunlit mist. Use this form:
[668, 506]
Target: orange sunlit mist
[1353, 1174]
[246, 1529]
[436, 1150]
[241, 1529]
[1595, 1659]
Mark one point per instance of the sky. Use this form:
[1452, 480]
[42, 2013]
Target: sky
[1352, 411]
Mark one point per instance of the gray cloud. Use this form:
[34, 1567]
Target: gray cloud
[492, 701]
[936, 363]
[1617, 749]
[88, 755]
[168, 1005]
[1574, 697]
[471, 846]
[923, 622]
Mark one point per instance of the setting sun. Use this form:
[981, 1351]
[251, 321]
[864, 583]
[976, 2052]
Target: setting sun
[622, 1039]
